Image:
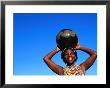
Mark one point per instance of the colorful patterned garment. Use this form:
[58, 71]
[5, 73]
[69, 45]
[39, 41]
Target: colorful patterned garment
[73, 70]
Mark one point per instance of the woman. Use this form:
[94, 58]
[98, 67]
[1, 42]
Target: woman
[69, 56]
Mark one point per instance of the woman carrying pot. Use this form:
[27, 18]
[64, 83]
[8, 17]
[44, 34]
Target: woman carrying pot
[69, 56]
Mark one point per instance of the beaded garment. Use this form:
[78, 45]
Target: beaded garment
[73, 70]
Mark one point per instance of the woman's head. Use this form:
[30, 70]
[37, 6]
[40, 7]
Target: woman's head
[69, 56]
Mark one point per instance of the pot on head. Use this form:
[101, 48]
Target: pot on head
[66, 38]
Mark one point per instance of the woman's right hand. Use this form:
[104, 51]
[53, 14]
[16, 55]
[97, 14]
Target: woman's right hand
[57, 49]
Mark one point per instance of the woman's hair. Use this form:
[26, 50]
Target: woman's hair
[62, 54]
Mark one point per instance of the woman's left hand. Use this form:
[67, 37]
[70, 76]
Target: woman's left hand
[77, 46]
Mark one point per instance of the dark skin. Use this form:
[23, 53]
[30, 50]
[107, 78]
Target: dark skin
[69, 57]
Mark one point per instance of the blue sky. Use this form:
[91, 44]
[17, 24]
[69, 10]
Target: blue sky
[35, 36]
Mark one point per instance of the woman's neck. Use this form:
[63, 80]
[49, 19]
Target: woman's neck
[70, 64]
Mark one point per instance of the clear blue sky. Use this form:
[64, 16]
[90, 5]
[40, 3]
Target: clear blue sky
[35, 36]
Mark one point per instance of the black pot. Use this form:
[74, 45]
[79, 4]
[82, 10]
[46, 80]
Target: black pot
[66, 38]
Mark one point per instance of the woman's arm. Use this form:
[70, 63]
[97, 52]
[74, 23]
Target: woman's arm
[88, 63]
[56, 68]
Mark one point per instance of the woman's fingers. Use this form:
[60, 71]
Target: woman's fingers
[78, 45]
[58, 49]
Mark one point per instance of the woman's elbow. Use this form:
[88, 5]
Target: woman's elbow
[44, 59]
[95, 54]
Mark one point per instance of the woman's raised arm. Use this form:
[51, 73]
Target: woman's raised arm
[54, 67]
[88, 63]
